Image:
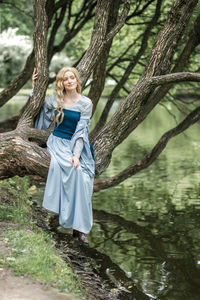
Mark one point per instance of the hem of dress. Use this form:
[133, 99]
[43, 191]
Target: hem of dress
[72, 227]
[75, 228]
[50, 209]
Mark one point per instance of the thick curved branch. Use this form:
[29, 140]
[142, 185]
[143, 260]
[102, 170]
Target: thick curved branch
[148, 159]
[173, 78]
[172, 32]
[15, 85]
[20, 156]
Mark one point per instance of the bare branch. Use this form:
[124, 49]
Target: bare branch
[15, 85]
[138, 11]
[120, 22]
[148, 159]
[121, 58]
[54, 30]
[75, 29]
[173, 78]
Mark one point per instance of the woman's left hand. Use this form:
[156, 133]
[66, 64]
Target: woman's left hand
[75, 160]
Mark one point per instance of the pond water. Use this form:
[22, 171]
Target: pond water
[146, 229]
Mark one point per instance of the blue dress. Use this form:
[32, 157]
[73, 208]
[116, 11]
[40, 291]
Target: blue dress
[68, 190]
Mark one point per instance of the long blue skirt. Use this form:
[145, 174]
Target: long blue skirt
[68, 190]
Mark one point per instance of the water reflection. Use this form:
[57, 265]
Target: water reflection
[156, 256]
[149, 225]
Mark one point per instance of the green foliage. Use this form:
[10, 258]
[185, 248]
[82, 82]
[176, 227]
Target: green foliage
[17, 14]
[13, 49]
[15, 200]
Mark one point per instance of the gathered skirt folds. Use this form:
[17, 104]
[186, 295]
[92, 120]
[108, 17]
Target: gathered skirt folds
[68, 190]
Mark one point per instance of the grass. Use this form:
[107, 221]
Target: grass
[31, 250]
[15, 205]
[34, 253]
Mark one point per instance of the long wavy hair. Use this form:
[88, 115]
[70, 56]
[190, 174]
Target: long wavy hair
[60, 90]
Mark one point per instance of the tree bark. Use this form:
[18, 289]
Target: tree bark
[40, 46]
[99, 73]
[22, 157]
[18, 154]
[20, 148]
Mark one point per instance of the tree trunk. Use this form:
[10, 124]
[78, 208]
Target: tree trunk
[99, 73]
[40, 46]
[18, 154]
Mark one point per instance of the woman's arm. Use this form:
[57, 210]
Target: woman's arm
[78, 147]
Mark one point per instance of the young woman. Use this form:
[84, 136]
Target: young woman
[69, 184]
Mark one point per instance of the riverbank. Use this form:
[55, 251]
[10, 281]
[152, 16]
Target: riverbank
[17, 281]
[30, 252]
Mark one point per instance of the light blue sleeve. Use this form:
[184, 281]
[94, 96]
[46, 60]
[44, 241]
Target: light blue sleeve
[45, 116]
[82, 132]
[78, 147]
[85, 114]
[87, 111]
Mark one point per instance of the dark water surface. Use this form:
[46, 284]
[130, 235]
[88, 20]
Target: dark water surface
[146, 238]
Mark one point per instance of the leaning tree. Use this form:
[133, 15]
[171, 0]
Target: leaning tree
[23, 149]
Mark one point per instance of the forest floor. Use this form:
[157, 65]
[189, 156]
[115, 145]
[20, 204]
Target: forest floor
[22, 287]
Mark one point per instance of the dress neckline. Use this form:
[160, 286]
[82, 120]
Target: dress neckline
[71, 110]
[73, 104]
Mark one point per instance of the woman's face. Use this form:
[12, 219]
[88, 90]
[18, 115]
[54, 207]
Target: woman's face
[69, 81]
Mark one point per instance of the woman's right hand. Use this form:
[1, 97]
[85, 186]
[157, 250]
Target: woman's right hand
[34, 77]
[75, 161]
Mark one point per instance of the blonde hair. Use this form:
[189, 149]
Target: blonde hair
[60, 90]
